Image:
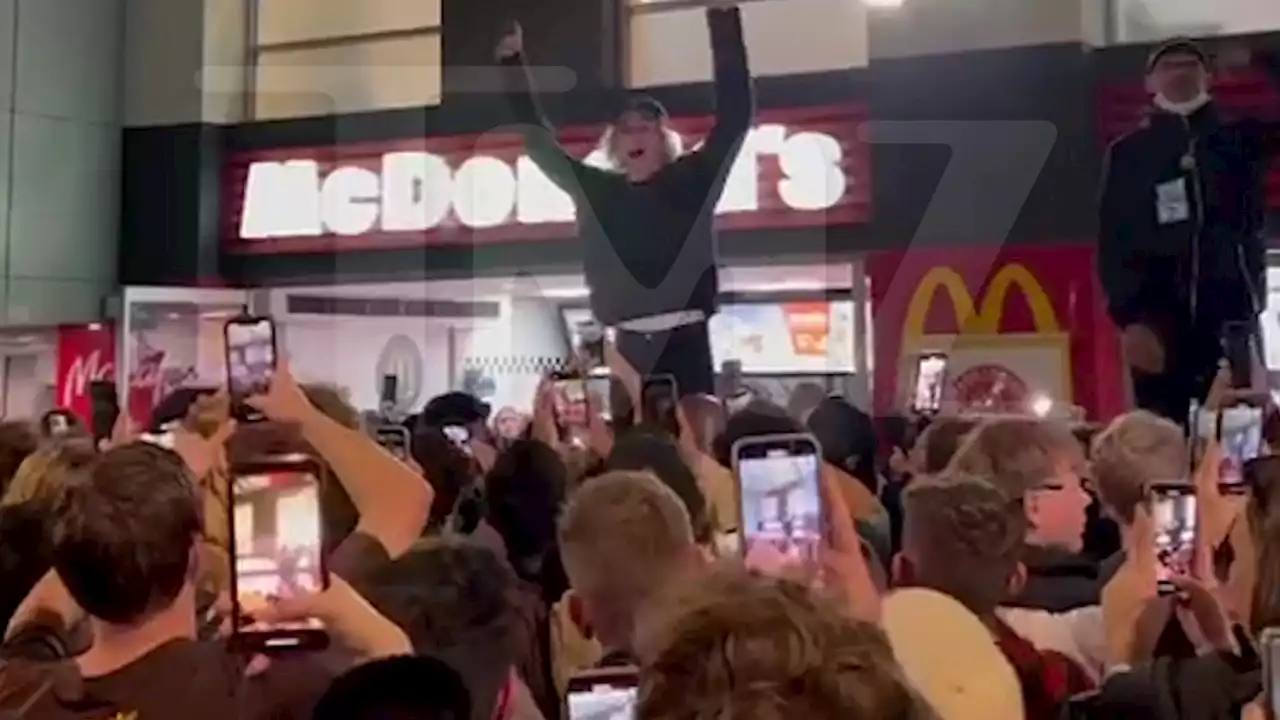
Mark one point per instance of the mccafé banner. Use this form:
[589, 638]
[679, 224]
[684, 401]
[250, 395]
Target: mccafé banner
[84, 354]
[1245, 92]
[994, 291]
[802, 167]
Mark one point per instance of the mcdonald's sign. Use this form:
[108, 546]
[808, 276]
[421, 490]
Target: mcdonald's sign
[984, 316]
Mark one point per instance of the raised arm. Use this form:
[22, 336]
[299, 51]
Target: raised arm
[735, 101]
[539, 136]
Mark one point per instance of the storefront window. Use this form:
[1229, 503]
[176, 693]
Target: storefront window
[1138, 21]
[171, 338]
[667, 40]
[317, 57]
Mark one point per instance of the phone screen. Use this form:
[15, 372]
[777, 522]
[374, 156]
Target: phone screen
[603, 696]
[395, 439]
[1173, 512]
[1240, 434]
[659, 397]
[600, 390]
[931, 372]
[251, 355]
[570, 395]
[780, 501]
[278, 544]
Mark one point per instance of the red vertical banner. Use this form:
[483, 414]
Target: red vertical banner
[85, 353]
[971, 291]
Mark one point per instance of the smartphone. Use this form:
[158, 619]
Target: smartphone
[779, 500]
[251, 355]
[604, 694]
[395, 438]
[387, 393]
[570, 403]
[1269, 648]
[1173, 514]
[104, 408]
[931, 375]
[659, 396]
[1239, 433]
[1239, 348]
[600, 391]
[277, 547]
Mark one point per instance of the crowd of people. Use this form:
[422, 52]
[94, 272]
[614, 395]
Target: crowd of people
[969, 568]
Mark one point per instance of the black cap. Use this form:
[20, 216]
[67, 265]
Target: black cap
[454, 408]
[642, 105]
[1177, 46]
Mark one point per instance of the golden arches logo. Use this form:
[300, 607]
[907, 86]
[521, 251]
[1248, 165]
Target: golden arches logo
[985, 317]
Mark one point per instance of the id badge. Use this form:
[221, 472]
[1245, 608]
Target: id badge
[1172, 203]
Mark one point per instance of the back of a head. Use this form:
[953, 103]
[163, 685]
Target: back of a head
[756, 420]
[1137, 449]
[454, 408]
[17, 441]
[41, 475]
[848, 438]
[455, 600]
[523, 492]
[1017, 454]
[962, 537]
[641, 450]
[124, 533]
[400, 688]
[740, 645]
[938, 443]
[623, 536]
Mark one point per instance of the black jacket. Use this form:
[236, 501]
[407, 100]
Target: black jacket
[1058, 580]
[1209, 268]
[649, 248]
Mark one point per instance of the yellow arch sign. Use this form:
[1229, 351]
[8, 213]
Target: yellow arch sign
[984, 318]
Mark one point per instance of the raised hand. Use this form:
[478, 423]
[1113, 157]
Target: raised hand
[511, 45]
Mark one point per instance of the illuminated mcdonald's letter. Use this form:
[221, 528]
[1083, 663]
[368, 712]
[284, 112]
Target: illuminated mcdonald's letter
[984, 317]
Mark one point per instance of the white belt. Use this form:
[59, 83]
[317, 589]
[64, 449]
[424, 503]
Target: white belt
[665, 321]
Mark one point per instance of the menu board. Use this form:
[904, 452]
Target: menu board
[790, 338]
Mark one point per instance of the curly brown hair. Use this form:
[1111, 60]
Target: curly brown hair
[1017, 454]
[962, 537]
[741, 645]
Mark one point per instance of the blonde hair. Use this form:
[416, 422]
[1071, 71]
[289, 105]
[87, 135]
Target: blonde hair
[43, 474]
[1016, 454]
[622, 536]
[741, 645]
[1135, 450]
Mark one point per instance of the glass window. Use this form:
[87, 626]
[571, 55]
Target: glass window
[317, 57]
[1154, 20]
[668, 43]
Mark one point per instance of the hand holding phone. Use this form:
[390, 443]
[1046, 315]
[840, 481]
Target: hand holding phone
[277, 545]
[1269, 648]
[779, 501]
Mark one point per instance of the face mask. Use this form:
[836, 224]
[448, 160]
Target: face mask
[1183, 108]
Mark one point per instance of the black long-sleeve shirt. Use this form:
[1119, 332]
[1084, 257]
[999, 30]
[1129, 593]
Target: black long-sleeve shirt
[649, 247]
